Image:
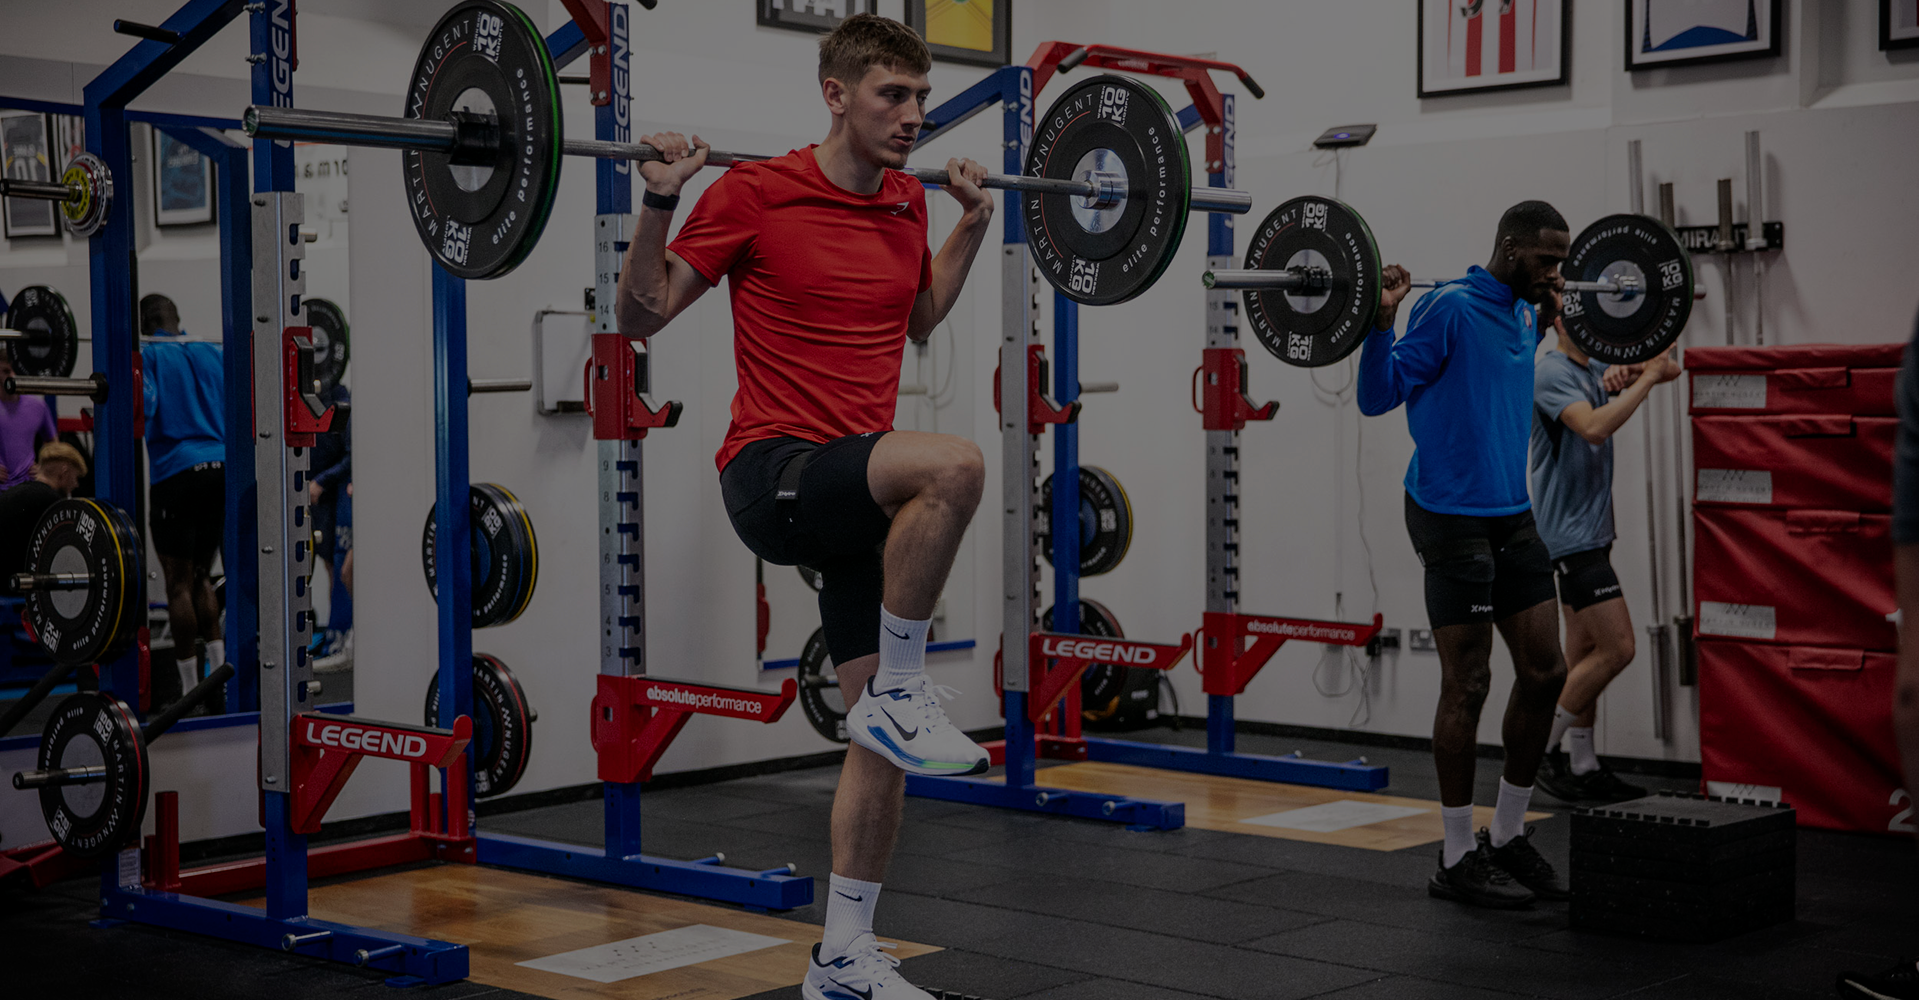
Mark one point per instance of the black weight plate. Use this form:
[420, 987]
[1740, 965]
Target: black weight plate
[488, 58]
[1105, 521]
[332, 341]
[94, 623]
[820, 696]
[52, 346]
[94, 818]
[502, 725]
[1114, 124]
[1101, 683]
[1622, 331]
[506, 556]
[1317, 329]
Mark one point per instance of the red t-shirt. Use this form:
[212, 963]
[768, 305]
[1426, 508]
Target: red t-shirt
[823, 284]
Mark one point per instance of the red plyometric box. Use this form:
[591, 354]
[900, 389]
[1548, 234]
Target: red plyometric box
[1810, 378]
[1798, 577]
[1821, 461]
[1814, 723]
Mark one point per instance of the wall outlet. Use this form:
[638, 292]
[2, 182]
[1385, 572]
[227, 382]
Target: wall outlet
[1420, 640]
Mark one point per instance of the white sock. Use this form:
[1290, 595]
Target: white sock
[902, 650]
[1458, 821]
[1585, 761]
[216, 654]
[1509, 816]
[1562, 721]
[189, 668]
[849, 913]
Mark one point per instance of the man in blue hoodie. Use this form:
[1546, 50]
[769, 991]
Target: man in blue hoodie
[1464, 369]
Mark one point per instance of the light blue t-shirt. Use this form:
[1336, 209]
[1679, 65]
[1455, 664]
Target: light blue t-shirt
[1571, 477]
[1464, 369]
[185, 383]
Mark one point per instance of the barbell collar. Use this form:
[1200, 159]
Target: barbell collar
[23, 582]
[93, 387]
[380, 132]
[38, 190]
[55, 777]
[474, 385]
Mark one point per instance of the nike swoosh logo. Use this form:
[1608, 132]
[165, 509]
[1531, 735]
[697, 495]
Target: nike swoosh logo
[865, 994]
[897, 727]
[856, 899]
[896, 635]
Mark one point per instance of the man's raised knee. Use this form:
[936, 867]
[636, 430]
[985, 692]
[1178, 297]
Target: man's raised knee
[963, 476]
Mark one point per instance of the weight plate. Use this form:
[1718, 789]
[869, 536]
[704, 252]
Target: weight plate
[1620, 330]
[91, 624]
[87, 174]
[1100, 684]
[506, 556]
[1320, 328]
[94, 818]
[331, 341]
[1105, 521]
[52, 346]
[487, 59]
[820, 696]
[1116, 126]
[502, 725]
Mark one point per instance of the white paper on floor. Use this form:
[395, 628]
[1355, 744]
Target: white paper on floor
[650, 953]
[1332, 817]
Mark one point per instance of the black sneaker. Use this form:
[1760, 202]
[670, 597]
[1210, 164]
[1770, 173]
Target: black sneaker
[1556, 778]
[1901, 982]
[1476, 880]
[1520, 859]
[1605, 787]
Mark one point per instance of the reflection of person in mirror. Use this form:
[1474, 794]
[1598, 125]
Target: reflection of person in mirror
[26, 423]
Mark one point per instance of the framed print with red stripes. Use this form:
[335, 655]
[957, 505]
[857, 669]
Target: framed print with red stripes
[1468, 46]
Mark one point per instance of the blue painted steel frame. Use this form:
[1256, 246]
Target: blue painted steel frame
[620, 862]
[1011, 87]
[284, 922]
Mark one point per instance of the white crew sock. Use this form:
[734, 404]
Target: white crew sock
[849, 913]
[189, 667]
[1562, 721]
[1509, 816]
[902, 650]
[1458, 821]
[1585, 761]
[216, 654]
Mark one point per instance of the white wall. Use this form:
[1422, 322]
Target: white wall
[1838, 121]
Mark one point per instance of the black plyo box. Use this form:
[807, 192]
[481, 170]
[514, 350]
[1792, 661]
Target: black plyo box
[1682, 867]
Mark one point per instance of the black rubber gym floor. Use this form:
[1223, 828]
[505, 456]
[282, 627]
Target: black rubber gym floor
[1053, 909]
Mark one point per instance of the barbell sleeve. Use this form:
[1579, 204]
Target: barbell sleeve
[474, 385]
[93, 387]
[264, 122]
[38, 190]
[1305, 279]
[23, 582]
[54, 777]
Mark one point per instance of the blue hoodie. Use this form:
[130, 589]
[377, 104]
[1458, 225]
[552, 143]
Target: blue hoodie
[1464, 369]
[185, 383]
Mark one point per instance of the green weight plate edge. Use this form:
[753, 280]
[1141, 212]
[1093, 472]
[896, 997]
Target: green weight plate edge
[542, 201]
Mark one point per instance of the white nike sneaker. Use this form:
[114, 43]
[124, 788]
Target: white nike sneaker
[906, 726]
[863, 973]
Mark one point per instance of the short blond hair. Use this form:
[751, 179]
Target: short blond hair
[60, 451]
[864, 41]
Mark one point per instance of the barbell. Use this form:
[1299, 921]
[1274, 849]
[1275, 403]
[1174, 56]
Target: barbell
[1311, 284]
[84, 192]
[84, 581]
[1107, 181]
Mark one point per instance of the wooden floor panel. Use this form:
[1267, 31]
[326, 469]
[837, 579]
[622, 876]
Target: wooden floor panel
[1216, 803]
[505, 917]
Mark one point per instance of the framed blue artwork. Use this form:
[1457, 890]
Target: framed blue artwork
[1661, 33]
[182, 183]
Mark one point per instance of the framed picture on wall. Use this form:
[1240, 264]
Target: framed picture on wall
[816, 16]
[1469, 46]
[1661, 33]
[1898, 24]
[182, 182]
[978, 32]
[26, 154]
[69, 139]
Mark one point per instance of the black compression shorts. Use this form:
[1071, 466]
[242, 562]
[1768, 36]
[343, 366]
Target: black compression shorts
[188, 513]
[1587, 578]
[830, 524]
[1479, 569]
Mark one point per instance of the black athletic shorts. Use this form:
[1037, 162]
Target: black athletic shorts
[820, 514]
[1586, 578]
[188, 512]
[1479, 569]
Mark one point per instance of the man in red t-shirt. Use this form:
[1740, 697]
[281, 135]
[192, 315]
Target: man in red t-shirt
[826, 252]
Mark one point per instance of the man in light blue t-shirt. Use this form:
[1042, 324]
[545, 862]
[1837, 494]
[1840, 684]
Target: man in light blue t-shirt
[1571, 470]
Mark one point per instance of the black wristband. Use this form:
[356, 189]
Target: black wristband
[663, 202]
